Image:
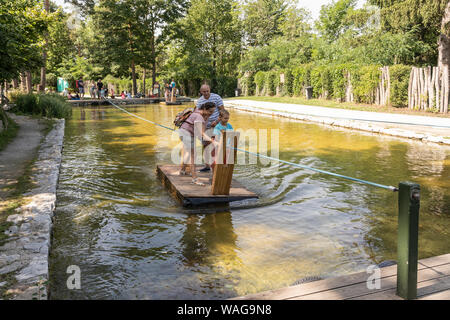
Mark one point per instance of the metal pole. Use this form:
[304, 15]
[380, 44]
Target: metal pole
[407, 246]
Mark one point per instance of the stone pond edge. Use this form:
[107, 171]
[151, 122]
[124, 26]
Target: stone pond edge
[26, 254]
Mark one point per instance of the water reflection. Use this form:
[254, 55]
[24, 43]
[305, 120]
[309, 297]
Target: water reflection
[132, 240]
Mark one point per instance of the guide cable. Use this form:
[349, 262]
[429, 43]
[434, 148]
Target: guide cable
[392, 188]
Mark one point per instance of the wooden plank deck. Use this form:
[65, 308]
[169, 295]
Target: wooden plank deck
[171, 103]
[120, 101]
[433, 283]
[187, 193]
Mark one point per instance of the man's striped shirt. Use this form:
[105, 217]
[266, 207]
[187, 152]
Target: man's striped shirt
[217, 100]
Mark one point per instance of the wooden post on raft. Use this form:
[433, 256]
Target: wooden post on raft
[223, 170]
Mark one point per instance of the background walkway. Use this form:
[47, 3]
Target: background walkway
[433, 129]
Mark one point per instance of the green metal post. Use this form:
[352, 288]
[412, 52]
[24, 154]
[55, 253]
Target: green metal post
[407, 247]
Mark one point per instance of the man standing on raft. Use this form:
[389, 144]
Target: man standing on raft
[213, 120]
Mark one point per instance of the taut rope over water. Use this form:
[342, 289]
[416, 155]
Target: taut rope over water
[392, 188]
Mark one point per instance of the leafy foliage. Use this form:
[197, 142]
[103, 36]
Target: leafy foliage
[399, 76]
[22, 25]
[47, 105]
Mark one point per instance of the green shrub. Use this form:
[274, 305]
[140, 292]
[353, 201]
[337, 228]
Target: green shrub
[248, 84]
[365, 80]
[338, 79]
[288, 82]
[302, 78]
[46, 105]
[321, 82]
[10, 129]
[259, 81]
[226, 86]
[399, 77]
[270, 82]
[27, 103]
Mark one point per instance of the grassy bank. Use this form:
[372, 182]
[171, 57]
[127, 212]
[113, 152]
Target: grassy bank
[343, 105]
[6, 136]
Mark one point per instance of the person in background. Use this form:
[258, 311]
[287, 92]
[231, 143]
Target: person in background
[128, 95]
[156, 89]
[92, 91]
[207, 96]
[80, 86]
[106, 92]
[100, 91]
[122, 95]
[112, 93]
[166, 91]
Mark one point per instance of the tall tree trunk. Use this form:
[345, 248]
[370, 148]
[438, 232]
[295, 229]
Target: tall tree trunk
[444, 39]
[153, 53]
[44, 53]
[444, 51]
[214, 66]
[29, 82]
[143, 82]
[133, 76]
[23, 82]
[15, 83]
[133, 67]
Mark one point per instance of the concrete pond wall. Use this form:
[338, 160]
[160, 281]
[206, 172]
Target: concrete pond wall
[25, 255]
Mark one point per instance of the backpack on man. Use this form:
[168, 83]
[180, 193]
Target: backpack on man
[182, 116]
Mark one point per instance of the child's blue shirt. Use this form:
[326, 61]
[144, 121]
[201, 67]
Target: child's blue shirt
[220, 127]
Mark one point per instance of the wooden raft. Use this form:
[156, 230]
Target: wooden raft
[220, 188]
[171, 103]
[188, 194]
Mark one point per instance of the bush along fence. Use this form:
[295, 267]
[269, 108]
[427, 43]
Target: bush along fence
[397, 85]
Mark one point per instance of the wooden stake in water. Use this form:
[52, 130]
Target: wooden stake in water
[407, 246]
[223, 171]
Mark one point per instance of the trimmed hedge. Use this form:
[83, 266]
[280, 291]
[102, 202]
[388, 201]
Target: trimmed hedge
[399, 77]
[301, 79]
[260, 79]
[330, 82]
[364, 81]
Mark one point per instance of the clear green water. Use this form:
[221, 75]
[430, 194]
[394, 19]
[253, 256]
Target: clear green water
[131, 240]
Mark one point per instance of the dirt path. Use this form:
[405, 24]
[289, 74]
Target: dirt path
[19, 152]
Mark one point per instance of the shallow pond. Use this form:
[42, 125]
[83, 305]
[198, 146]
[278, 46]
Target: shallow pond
[131, 240]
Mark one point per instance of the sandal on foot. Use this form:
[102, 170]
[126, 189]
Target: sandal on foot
[195, 181]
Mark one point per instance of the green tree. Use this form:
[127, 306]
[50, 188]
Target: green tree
[429, 18]
[208, 43]
[119, 34]
[262, 20]
[22, 25]
[334, 19]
